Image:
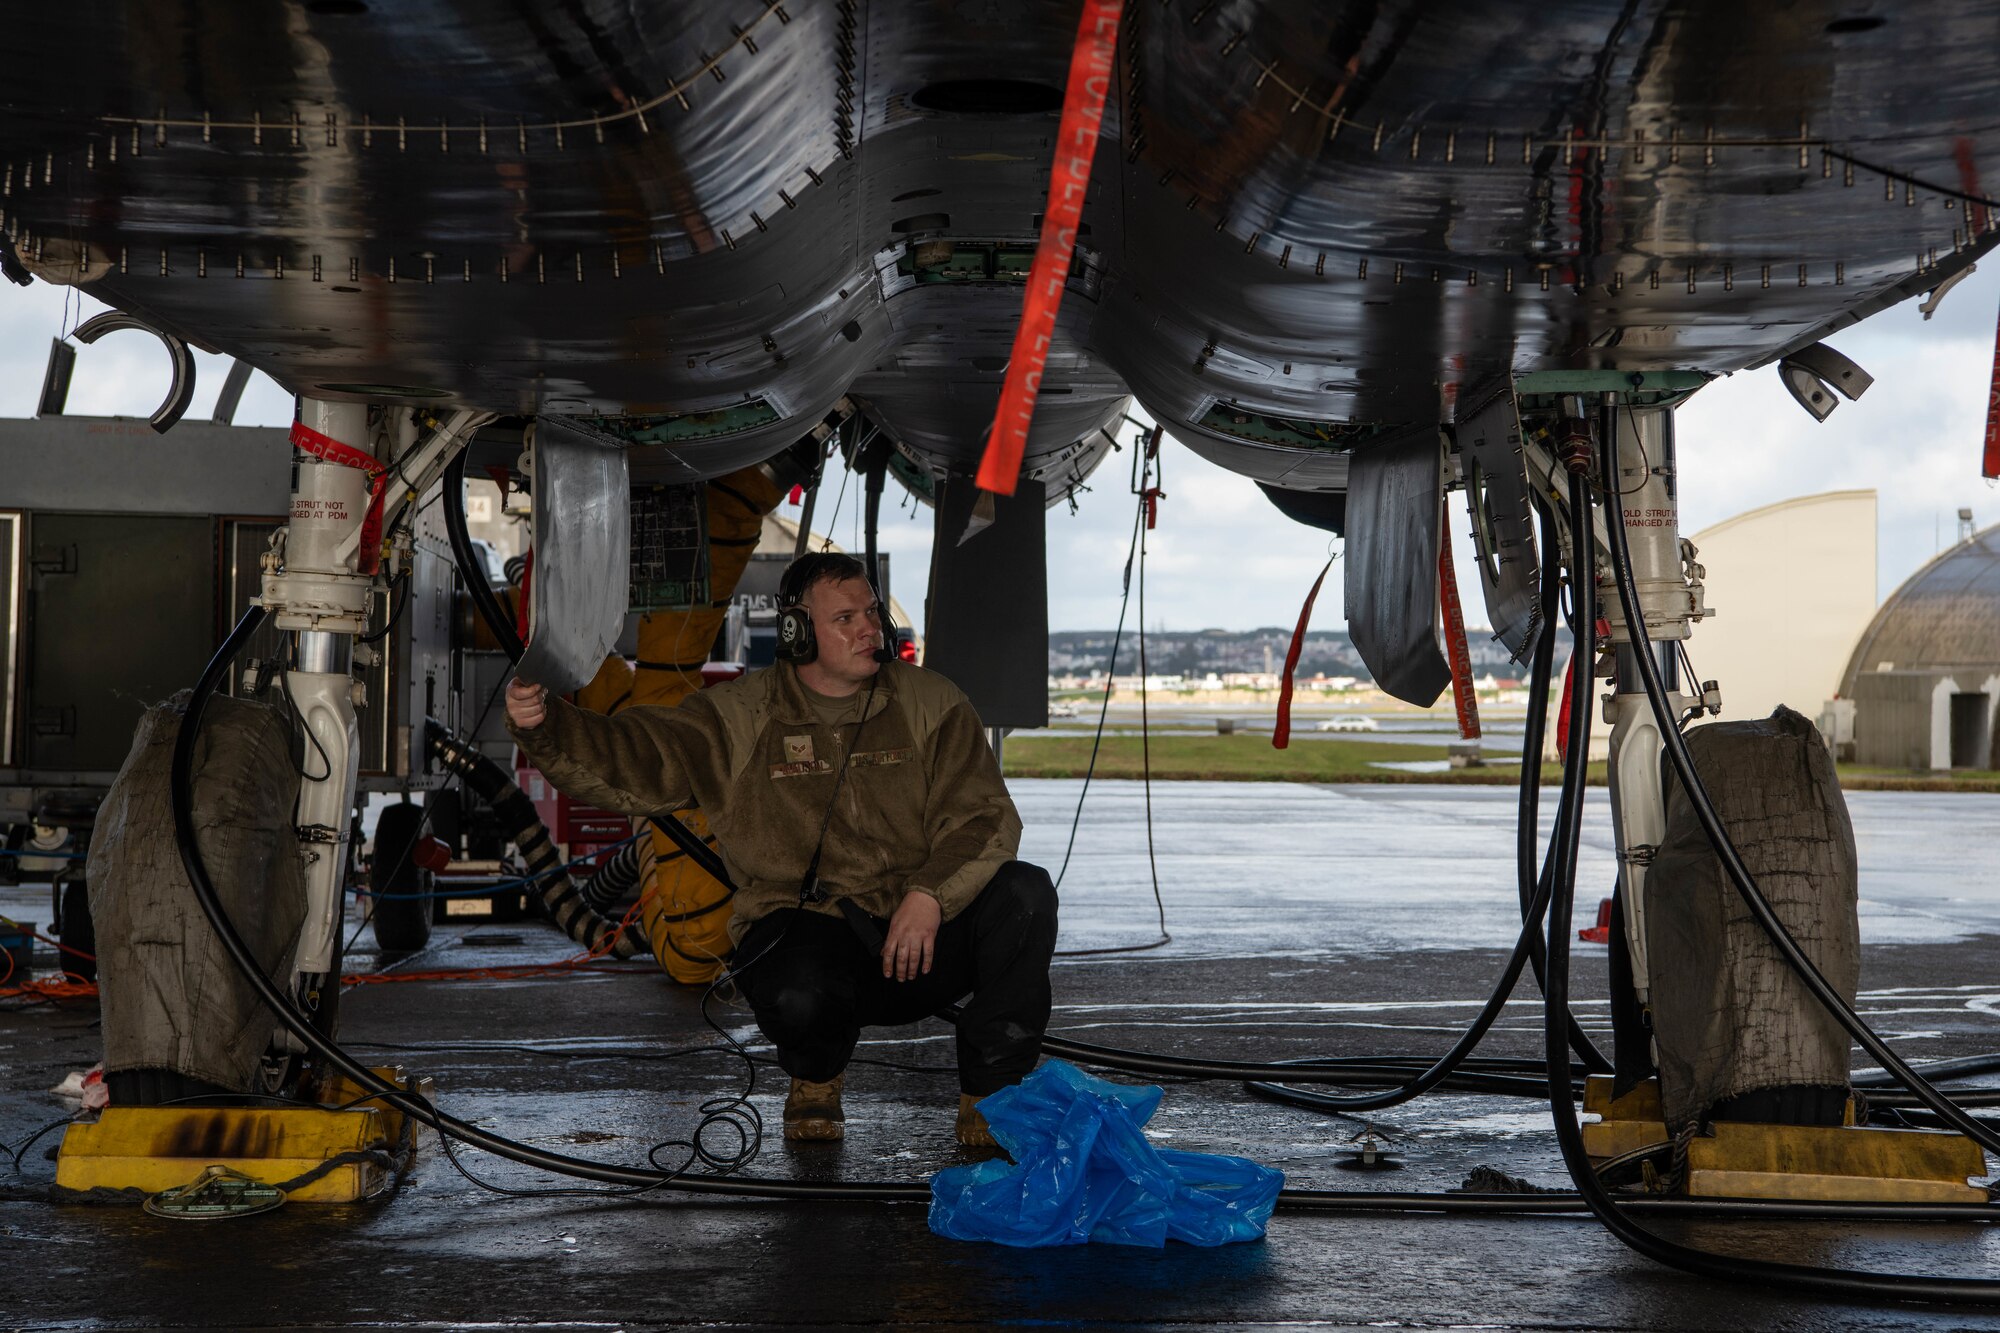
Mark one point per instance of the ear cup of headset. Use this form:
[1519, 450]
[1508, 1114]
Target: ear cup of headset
[796, 642]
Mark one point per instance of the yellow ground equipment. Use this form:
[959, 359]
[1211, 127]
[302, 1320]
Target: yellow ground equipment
[340, 1151]
[1834, 1163]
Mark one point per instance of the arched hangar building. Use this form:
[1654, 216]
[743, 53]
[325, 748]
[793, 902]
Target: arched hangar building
[1924, 679]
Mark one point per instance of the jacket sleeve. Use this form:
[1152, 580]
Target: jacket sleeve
[974, 828]
[643, 761]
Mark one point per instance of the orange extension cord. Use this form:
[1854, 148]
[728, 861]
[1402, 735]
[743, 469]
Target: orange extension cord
[49, 990]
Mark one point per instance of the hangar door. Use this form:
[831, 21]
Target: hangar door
[1969, 731]
[121, 615]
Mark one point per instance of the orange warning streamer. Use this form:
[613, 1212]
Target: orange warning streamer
[1991, 464]
[1281, 733]
[1069, 179]
[1456, 652]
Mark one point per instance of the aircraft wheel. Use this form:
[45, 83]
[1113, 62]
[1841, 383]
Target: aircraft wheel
[74, 930]
[402, 907]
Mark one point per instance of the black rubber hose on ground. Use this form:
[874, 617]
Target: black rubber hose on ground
[1570, 1204]
[473, 575]
[1962, 1067]
[1569, 1129]
[560, 897]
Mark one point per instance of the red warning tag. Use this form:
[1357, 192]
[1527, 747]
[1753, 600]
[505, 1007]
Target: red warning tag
[1990, 463]
[304, 438]
[1281, 734]
[1069, 179]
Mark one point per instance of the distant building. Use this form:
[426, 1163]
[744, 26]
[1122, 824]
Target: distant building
[1792, 584]
[1150, 683]
[1922, 688]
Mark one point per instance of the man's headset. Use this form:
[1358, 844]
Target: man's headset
[797, 643]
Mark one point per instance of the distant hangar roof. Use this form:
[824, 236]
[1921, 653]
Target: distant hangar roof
[1947, 615]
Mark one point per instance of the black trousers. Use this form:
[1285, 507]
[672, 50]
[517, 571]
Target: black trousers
[814, 985]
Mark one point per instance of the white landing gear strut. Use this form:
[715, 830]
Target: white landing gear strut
[353, 469]
[1670, 600]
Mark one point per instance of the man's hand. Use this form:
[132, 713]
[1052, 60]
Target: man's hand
[912, 936]
[527, 705]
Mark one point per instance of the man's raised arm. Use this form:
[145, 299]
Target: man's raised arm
[644, 761]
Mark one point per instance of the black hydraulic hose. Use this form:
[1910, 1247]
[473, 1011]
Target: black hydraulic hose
[1528, 823]
[1176, 1066]
[471, 571]
[1535, 898]
[1445, 1066]
[1569, 1129]
[502, 629]
[1987, 1136]
[695, 850]
[1569, 1203]
[871, 514]
[1495, 1085]
[565, 903]
[1305, 1099]
[1963, 1066]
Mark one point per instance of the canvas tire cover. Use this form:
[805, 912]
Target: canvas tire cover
[170, 996]
[1729, 1016]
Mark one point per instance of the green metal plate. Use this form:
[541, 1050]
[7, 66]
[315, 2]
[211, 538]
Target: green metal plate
[1644, 388]
[216, 1194]
[674, 428]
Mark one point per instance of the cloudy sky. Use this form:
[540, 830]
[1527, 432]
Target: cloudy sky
[1223, 557]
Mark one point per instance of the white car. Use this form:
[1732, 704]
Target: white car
[1348, 723]
[1063, 708]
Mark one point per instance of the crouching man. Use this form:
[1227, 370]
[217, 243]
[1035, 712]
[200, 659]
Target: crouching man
[862, 816]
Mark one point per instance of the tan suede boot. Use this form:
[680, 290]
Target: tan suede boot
[812, 1111]
[973, 1131]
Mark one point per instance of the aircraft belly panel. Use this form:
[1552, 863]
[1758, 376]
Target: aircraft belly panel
[1330, 213]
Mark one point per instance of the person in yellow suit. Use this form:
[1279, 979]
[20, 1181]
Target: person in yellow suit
[682, 909]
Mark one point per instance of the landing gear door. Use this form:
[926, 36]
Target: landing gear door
[1395, 521]
[583, 554]
[1503, 522]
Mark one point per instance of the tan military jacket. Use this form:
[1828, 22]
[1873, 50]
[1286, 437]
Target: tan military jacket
[922, 807]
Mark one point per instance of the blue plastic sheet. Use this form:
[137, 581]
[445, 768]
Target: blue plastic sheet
[1083, 1170]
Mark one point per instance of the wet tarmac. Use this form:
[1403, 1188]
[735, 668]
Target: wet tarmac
[1305, 920]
